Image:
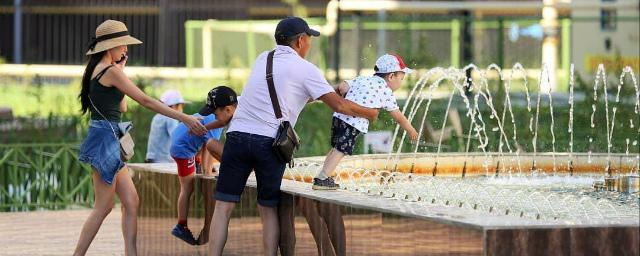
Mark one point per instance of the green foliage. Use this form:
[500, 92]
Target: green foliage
[418, 53]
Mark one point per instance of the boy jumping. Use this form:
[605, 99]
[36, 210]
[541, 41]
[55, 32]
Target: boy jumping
[368, 91]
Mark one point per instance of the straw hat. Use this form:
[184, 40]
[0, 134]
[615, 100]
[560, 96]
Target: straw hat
[110, 34]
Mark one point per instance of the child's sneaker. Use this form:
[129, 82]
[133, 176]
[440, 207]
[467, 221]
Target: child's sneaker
[184, 234]
[326, 184]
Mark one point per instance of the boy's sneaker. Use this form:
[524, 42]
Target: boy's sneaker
[326, 184]
[184, 234]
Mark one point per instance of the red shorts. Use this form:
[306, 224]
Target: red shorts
[186, 167]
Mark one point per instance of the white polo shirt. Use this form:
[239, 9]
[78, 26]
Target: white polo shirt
[296, 81]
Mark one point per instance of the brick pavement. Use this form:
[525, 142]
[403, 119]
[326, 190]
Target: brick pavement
[56, 233]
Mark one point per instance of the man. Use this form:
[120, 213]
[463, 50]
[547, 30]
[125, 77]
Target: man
[254, 126]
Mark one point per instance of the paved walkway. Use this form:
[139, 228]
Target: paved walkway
[56, 233]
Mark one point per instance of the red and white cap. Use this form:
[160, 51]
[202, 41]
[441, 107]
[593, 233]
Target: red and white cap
[389, 63]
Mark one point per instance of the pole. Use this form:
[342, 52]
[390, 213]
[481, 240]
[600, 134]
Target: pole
[336, 47]
[162, 24]
[356, 41]
[382, 33]
[17, 32]
[455, 43]
[467, 46]
[550, 42]
[501, 42]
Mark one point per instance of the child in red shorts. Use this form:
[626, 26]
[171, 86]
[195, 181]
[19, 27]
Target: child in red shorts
[185, 150]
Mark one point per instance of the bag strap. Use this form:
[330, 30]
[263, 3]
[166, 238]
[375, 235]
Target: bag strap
[100, 113]
[272, 88]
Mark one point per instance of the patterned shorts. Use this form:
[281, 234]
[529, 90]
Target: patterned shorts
[343, 136]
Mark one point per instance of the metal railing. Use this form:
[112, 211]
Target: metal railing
[43, 176]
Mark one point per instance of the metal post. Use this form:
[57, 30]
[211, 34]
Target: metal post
[251, 45]
[382, 33]
[501, 43]
[189, 44]
[356, 41]
[566, 53]
[17, 32]
[336, 47]
[467, 46]
[162, 18]
[207, 58]
[549, 24]
[455, 43]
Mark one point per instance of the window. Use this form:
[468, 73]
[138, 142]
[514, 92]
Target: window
[608, 19]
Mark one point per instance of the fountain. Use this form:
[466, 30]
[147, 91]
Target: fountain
[494, 195]
[566, 190]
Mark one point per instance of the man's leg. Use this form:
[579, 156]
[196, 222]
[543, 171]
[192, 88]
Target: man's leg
[270, 229]
[209, 204]
[220, 227]
[335, 225]
[235, 167]
[269, 171]
[317, 225]
[286, 217]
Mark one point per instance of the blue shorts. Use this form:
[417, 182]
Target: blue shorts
[343, 136]
[101, 149]
[243, 153]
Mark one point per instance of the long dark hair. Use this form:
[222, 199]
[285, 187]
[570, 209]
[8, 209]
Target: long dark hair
[94, 59]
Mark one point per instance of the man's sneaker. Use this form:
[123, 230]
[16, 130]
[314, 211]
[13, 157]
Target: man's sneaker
[184, 234]
[326, 184]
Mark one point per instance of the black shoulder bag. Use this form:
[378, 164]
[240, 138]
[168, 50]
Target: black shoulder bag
[286, 141]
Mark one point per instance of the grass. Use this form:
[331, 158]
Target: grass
[37, 97]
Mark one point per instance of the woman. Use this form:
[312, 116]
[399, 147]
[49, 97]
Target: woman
[104, 85]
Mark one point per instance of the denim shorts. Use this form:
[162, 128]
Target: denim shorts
[101, 149]
[343, 136]
[243, 153]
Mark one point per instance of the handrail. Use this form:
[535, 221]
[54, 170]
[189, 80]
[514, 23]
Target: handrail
[43, 175]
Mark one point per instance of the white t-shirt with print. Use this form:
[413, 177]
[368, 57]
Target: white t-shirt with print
[371, 92]
[295, 79]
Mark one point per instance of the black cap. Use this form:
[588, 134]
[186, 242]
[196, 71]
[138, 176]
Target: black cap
[292, 26]
[218, 97]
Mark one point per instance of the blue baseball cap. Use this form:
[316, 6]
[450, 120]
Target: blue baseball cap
[292, 26]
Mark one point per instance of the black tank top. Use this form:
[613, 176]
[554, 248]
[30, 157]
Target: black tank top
[105, 99]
